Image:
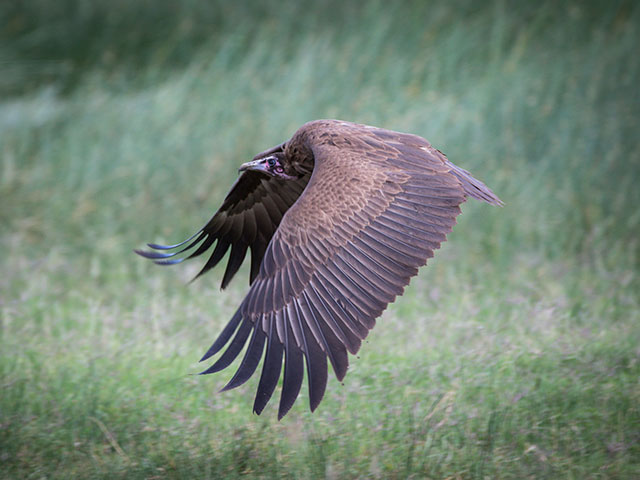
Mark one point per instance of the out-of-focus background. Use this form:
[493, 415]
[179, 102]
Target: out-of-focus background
[514, 354]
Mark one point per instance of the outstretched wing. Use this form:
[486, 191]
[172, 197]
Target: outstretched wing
[376, 207]
[247, 219]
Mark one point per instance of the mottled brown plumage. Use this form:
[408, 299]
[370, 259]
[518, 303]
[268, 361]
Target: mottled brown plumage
[338, 219]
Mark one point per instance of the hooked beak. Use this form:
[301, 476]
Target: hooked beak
[259, 165]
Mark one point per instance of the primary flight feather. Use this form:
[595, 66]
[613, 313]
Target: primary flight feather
[338, 219]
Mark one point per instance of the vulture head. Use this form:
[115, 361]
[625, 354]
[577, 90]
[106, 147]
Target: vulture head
[273, 164]
[338, 220]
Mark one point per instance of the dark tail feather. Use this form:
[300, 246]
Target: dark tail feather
[474, 187]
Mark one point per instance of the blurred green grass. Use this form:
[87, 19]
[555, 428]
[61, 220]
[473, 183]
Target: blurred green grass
[514, 354]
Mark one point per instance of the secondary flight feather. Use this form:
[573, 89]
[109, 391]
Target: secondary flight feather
[337, 219]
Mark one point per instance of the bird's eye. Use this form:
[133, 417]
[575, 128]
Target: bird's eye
[272, 162]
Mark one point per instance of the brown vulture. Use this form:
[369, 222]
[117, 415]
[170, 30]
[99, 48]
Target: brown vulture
[338, 219]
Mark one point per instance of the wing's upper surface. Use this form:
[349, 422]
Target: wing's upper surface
[377, 205]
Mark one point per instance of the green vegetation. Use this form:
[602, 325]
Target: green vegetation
[515, 354]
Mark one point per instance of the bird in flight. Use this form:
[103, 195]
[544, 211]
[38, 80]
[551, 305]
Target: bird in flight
[338, 219]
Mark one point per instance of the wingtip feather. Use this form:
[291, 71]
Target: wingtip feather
[154, 255]
[169, 262]
[156, 246]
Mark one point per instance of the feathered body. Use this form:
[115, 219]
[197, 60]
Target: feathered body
[338, 219]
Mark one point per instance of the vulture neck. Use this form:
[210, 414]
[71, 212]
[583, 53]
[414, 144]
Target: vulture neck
[299, 156]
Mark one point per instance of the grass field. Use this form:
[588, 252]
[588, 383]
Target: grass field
[514, 354]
